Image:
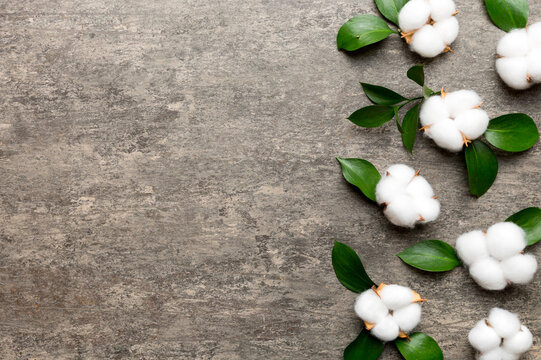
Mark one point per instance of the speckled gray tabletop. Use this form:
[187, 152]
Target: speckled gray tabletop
[169, 187]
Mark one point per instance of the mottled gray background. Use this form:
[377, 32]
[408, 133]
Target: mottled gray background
[169, 188]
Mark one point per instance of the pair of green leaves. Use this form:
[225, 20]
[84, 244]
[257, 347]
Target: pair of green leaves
[438, 256]
[350, 271]
[511, 133]
[508, 14]
[364, 30]
[388, 103]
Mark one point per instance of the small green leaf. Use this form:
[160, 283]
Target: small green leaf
[398, 125]
[482, 167]
[361, 31]
[409, 127]
[512, 132]
[361, 173]
[349, 269]
[372, 116]
[529, 220]
[390, 9]
[365, 347]
[381, 95]
[419, 347]
[508, 14]
[417, 74]
[427, 92]
[431, 255]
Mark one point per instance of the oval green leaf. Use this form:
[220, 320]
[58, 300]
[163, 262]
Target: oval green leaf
[508, 14]
[390, 9]
[372, 116]
[365, 347]
[417, 74]
[482, 167]
[529, 220]
[512, 132]
[431, 255]
[410, 126]
[361, 31]
[419, 347]
[361, 173]
[349, 269]
[381, 95]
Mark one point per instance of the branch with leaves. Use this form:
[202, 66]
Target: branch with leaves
[350, 271]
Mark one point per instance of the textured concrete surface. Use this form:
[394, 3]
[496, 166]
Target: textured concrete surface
[169, 188]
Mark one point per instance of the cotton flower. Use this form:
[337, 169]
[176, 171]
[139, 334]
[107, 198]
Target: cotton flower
[495, 258]
[453, 119]
[519, 57]
[429, 26]
[389, 311]
[407, 197]
[500, 336]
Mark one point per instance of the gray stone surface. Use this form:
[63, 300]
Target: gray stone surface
[169, 188]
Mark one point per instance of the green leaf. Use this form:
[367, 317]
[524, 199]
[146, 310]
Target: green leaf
[417, 74]
[390, 9]
[419, 347]
[512, 132]
[361, 173]
[409, 127]
[381, 95]
[482, 167]
[508, 14]
[398, 125]
[349, 269]
[372, 116]
[361, 31]
[529, 220]
[365, 347]
[431, 255]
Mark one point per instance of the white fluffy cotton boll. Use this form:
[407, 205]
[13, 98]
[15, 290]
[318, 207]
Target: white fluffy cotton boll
[401, 172]
[519, 269]
[514, 44]
[488, 274]
[427, 42]
[508, 356]
[520, 342]
[447, 29]
[433, 110]
[514, 72]
[387, 189]
[395, 296]
[441, 9]
[446, 135]
[419, 187]
[483, 338]
[471, 247]
[407, 318]
[386, 329]
[370, 308]
[534, 35]
[473, 123]
[534, 65]
[400, 212]
[505, 323]
[428, 208]
[462, 100]
[505, 239]
[413, 15]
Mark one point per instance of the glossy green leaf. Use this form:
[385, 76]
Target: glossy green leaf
[361, 173]
[417, 74]
[529, 220]
[349, 269]
[365, 347]
[482, 167]
[431, 255]
[398, 125]
[512, 132]
[419, 347]
[361, 31]
[390, 9]
[381, 95]
[508, 14]
[372, 116]
[410, 126]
